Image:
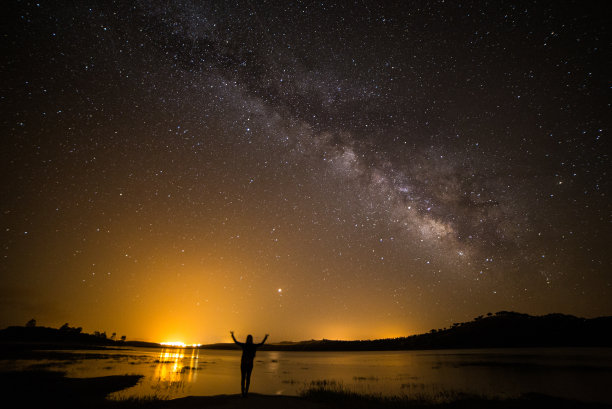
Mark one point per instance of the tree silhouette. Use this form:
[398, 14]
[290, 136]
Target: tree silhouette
[31, 323]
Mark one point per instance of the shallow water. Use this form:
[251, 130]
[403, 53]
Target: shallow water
[582, 374]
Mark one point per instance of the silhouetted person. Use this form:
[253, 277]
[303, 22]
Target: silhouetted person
[246, 363]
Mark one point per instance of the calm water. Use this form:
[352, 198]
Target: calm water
[583, 374]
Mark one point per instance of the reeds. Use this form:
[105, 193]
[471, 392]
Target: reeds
[336, 394]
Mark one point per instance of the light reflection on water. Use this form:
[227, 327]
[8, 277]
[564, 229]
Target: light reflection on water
[174, 367]
[582, 374]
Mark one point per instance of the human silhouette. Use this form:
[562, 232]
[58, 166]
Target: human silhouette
[246, 363]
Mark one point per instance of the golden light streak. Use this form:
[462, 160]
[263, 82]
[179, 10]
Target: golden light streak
[179, 344]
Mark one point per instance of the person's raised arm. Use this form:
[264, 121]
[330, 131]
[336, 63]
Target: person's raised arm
[234, 338]
[264, 340]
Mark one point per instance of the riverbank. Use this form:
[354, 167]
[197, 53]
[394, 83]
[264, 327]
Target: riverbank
[256, 401]
[52, 389]
[343, 401]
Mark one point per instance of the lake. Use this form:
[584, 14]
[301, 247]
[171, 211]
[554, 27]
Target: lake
[576, 373]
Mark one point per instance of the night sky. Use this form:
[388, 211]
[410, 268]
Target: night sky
[175, 170]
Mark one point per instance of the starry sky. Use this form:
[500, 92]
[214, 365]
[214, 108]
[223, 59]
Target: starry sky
[173, 170]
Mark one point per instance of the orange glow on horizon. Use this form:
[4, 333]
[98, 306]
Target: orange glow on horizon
[179, 344]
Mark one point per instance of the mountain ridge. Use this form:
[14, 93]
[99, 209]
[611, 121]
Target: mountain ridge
[504, 329]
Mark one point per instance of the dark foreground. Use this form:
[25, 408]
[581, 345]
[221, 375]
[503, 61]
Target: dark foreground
[45, 389]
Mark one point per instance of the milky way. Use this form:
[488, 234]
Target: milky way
[169, 166]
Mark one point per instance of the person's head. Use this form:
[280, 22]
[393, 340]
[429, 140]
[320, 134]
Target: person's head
[249, 339]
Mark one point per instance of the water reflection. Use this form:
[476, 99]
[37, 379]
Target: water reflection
[571, 373]
[175, 367]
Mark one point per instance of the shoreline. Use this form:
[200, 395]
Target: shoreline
[331, 399]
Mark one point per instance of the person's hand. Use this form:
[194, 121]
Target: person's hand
[267, 335]
[232, 332]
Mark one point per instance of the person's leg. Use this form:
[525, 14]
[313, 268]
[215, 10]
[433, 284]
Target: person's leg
[248, 380]
[243, 374]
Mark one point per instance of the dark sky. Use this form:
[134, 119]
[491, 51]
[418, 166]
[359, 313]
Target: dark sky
[173, 170]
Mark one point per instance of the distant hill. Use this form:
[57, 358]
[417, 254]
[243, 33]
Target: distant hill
[504, 329]
[66, 337]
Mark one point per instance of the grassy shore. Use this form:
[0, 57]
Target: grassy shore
[52, 389]
[46, 389]
[337, 397]
[319, 399]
